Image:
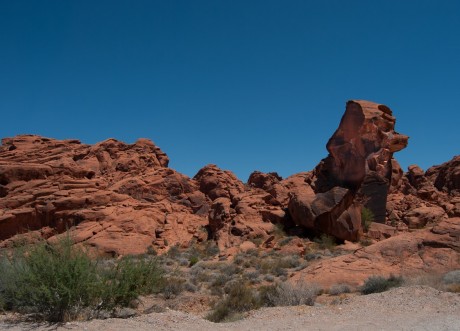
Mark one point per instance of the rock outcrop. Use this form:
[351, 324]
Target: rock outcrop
[122, 199]
[426, 252]
[360, 169]
[119, 198]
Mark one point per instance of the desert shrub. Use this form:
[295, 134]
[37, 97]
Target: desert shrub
[339, 289]
[452, 281]
[183, 262]
[211, 249]
[288, 294]
[53, 281]
[257, 241]
[174, 252]
[452, 277]
[376, 284]
[252, 277]
[220, 280]
[189, 287]
[240, 298]
[312, 256]
[325, 242]
[277, 265]
[367, 217]
[218, 283]
[151, 251]
[285, 241]
[173, 286]
[199, 274]
[279, 231]
[193, 260]
[302, 265]
[56, 282]
[230, 269]
[269, 278]
[366, 242]
[289, 261]
[129, 278]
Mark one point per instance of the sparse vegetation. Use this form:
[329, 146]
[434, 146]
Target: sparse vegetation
[279, 231]
[339, 289]
[451, 281]
[240, 298]
[366, 242]
[63, 283]
[367, 217]
[326, 242]
[376, 284]
[57, 282]
[289, 294]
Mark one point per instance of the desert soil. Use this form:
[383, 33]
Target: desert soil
[405, 308]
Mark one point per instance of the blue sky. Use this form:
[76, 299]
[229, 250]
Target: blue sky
[247, 85]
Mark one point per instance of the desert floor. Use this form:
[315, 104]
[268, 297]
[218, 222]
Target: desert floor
[404, 308]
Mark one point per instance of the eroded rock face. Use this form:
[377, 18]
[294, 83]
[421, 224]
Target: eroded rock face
[360, 154]
[217, 183]
[429, 251]
[446, 176]
[123, 199]
[119, 198]
[360, 163]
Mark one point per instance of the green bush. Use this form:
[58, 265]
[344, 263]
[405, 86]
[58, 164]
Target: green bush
[56, 282]
[128, 279]
[53, 281]
[367, 217]
[193, 260]
[325, 242]
[376, 284]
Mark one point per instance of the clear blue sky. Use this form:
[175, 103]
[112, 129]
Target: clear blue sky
[247, 85]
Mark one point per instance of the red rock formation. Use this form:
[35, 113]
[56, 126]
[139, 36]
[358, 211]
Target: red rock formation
[425, 252]
[123, 199]
[120, 198]
[446, 177]
[359, 165]
[360, 154]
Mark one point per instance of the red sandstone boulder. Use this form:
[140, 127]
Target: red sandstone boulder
[360, 154]
[216, 183]
[332, 212]
[359, 170]
[419, 217]
[264, 181]
[446, 177]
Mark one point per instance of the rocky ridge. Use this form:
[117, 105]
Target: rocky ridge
[123, 199]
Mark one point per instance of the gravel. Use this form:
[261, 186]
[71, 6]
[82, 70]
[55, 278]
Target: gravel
[404, 308]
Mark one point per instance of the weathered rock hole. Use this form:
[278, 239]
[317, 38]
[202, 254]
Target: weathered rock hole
[3, 191]
[236, 232]
[78, 157]
[4, 181]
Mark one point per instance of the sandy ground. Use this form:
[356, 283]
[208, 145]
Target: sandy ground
[405, 308]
